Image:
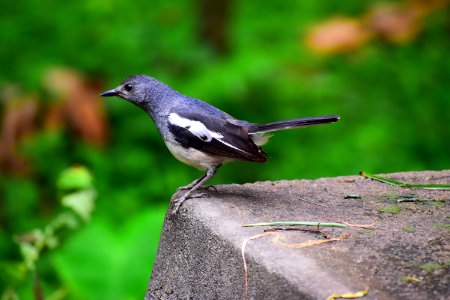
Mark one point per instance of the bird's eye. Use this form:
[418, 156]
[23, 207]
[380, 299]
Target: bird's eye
[128, 87]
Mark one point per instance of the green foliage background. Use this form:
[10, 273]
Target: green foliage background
[394, 103]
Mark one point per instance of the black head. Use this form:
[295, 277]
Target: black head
[137, 89]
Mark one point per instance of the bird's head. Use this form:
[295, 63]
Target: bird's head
[140, 90]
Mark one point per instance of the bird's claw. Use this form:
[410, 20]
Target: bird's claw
[188, 187]
[176, 205]
[198, 195]
[176, 202]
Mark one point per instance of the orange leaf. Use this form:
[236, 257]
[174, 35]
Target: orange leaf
[337, 35]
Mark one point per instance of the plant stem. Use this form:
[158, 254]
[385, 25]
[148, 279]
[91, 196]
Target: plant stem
[296, 223]
[431, 186]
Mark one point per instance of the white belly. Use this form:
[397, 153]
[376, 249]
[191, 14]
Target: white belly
[194, 157]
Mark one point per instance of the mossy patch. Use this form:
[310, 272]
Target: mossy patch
[392, 209]
[437, 204]
[409, 228]
[442, 226]
[432, 266]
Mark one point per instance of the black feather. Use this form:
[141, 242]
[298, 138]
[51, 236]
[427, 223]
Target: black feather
[187, 140]
[301, 122]
[232, 134]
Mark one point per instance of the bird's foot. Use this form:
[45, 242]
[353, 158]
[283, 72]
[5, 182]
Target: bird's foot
[190, 186]
[177, 201]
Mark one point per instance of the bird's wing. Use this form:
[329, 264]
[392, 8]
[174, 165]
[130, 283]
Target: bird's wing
[214, 134]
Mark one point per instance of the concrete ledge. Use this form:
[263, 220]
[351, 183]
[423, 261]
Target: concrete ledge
[199, 255]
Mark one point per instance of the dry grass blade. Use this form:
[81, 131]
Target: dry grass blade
[366, 226]
[309, 243]
[412, 278]
[244, 245]
[356, 295]
[276, 240]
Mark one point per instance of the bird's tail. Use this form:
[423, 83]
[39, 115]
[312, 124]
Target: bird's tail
[282, 125]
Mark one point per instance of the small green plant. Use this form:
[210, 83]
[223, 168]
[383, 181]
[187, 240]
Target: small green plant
[77, 194]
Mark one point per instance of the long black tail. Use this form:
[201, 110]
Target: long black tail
[301, 122]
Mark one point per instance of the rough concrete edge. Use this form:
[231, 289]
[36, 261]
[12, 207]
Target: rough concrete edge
[193, 210]
[177, 287]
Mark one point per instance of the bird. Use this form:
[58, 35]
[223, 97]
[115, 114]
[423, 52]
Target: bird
[199, 134]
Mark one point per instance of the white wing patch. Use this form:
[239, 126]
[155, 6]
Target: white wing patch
[198, 129]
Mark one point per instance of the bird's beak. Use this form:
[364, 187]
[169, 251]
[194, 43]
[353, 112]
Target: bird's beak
[109, 93]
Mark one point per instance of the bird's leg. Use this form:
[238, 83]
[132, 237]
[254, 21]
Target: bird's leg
[192, 184]
[193, 187]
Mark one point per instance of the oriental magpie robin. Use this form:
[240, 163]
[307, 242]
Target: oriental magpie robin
[198, 133]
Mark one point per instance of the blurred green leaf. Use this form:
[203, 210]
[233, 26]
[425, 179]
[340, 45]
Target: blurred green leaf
[82, 202]
[127, 250]
[75, 178]
[30, 254]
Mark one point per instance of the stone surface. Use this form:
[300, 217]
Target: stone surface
[199, 256]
